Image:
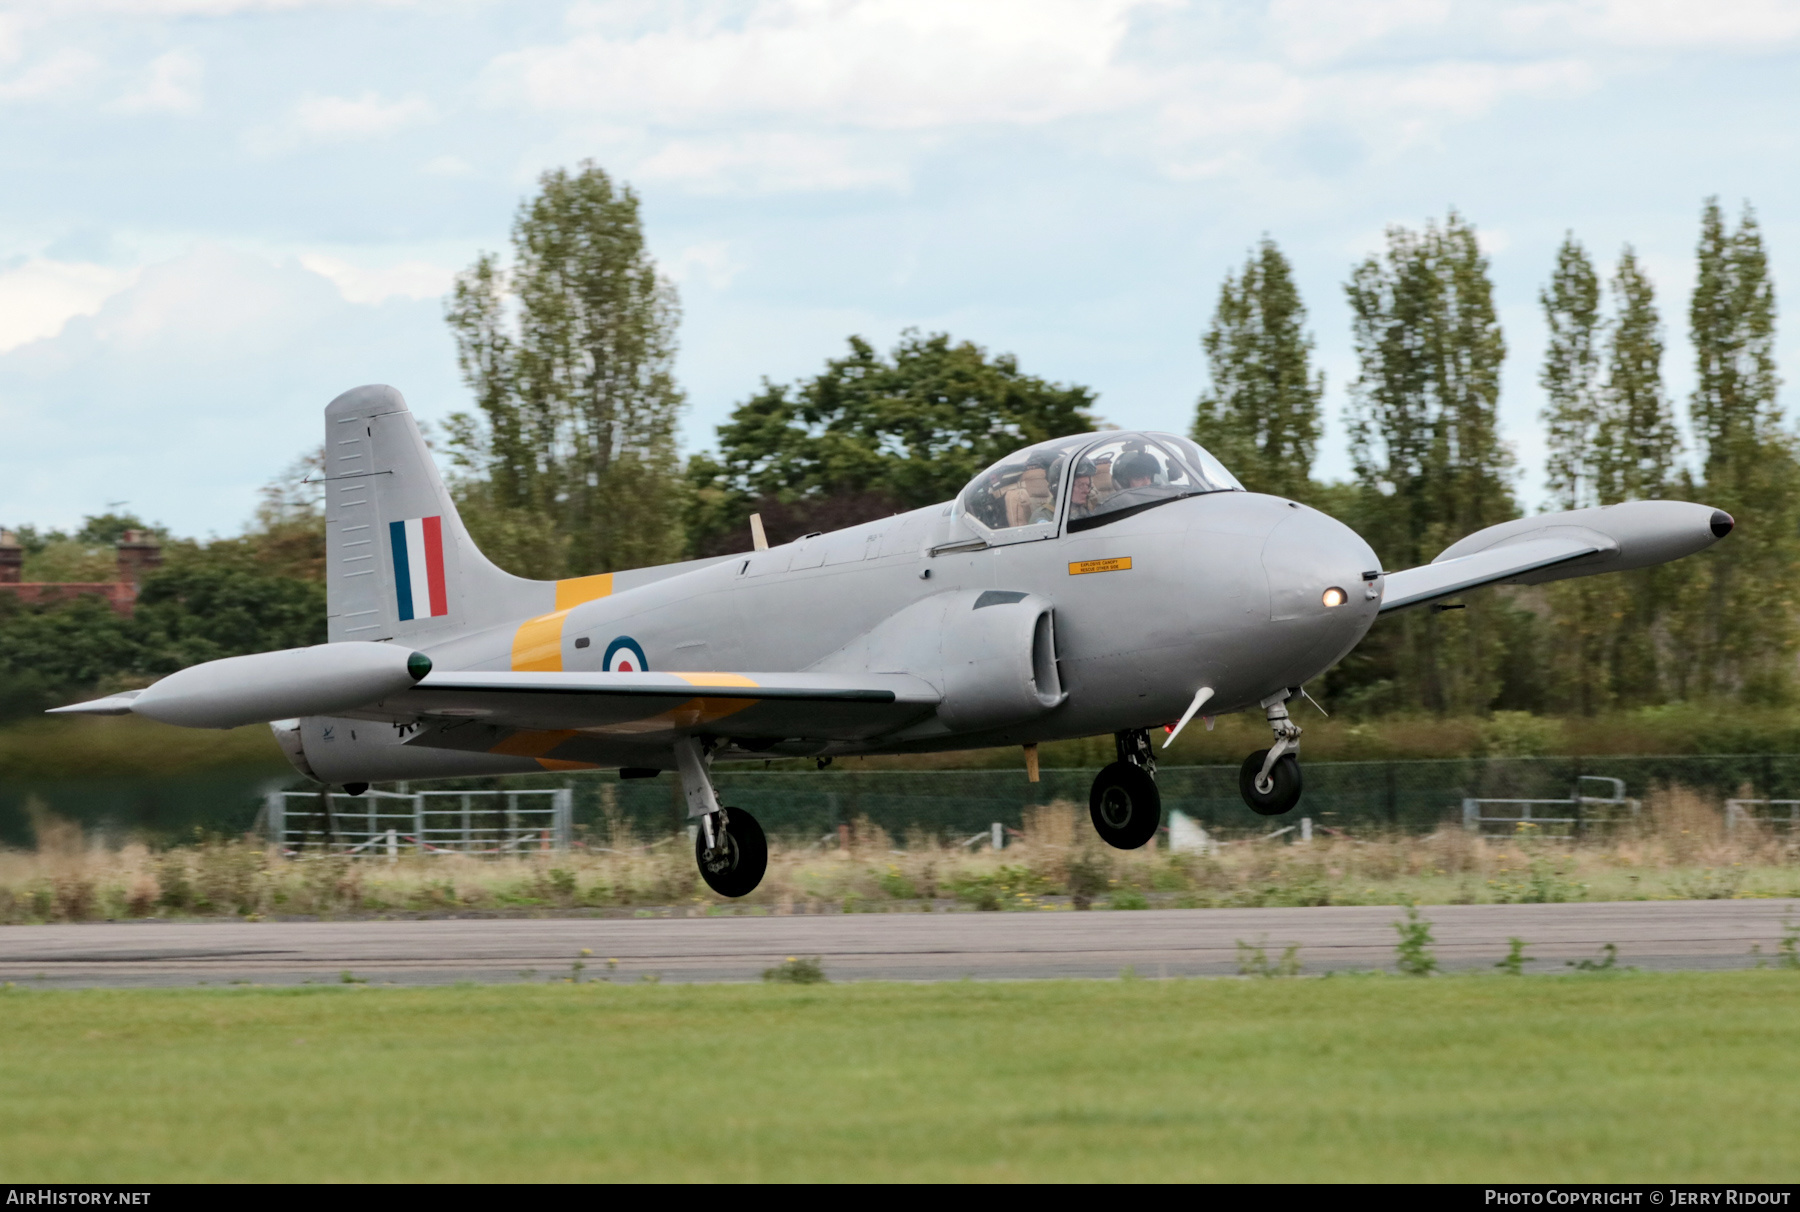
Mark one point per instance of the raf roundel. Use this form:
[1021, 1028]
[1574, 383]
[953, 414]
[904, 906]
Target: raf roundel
[625, 655]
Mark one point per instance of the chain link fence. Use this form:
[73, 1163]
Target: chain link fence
[1356, 797]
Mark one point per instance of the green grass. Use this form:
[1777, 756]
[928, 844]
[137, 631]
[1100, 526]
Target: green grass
[1630, 1078]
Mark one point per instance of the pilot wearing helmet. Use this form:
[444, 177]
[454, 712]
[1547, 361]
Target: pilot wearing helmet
[1032, 498]
[1082, 498]
[1137, 469]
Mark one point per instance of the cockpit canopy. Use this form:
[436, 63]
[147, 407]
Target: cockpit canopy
[1098, 477]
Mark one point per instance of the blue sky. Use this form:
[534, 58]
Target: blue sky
[220, 213]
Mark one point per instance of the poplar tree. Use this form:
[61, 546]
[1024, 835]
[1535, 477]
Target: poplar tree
[1261, 414]
[1638, 442]
[569, 458]
[1738, 608]
[1571, 376]
[1425, 440]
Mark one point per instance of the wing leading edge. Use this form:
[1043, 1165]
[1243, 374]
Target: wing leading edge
[1416, 586]
[484, 710]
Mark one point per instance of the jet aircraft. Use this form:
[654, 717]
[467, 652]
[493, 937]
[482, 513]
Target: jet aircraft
[1113, 582]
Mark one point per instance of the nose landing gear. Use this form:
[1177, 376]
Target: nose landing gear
[1124, 804]
[1269, 779]
[729, 845]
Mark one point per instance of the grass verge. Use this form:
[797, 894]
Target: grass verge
[1637, 1077]
[1681, 852]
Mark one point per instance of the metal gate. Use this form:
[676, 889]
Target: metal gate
[383, 824]
[1576, 815]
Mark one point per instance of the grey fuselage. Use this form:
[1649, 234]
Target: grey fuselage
[1221, 590]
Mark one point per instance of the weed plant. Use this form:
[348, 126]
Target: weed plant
[797, 970]
[1680, 850]
[1412, 954]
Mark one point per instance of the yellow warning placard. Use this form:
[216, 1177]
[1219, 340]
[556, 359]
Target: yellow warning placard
[1119, 564]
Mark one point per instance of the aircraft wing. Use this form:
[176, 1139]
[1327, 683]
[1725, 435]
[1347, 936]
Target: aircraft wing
[466, 710]
[1429, 582]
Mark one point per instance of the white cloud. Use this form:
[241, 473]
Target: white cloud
[171, 85]
[1664, 24]
[1311, 32]
[794, 95]
[364, 117]
[363, 284]
[197, 383]
[62, 72]
[885, 64]
[215, 8]
[39, 297]
[447, 166]
[772, 162]
[710, 260]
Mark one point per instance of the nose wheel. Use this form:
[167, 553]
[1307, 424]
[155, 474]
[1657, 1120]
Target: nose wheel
[1269, 779]
[1275, 793]
[731, 851]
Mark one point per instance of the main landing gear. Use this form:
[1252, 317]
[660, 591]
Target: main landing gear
[1269, 779]
[1124, 803]
[732, 852]
[729, 845]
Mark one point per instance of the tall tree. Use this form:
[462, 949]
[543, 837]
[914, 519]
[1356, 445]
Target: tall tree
[1261, 414]
[1610, 633]
[1637, 441]
[570, 456]
[872, 433]
[1739, 610]
[1571, 376]
[1425, 439]
[1582, 623]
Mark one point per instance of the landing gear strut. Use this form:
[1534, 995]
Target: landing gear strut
[729, 845]
[1269, 779]
[1124, 804]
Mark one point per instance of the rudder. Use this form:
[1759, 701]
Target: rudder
[399, 563]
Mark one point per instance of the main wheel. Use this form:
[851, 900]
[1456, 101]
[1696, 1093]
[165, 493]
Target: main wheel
[1125, 806]
[735, 866]
[1284, 791]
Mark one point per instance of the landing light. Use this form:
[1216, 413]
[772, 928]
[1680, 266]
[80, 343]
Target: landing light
[1333, 596]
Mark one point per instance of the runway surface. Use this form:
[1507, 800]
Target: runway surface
[892, 946]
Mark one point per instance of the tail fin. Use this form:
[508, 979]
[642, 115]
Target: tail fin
[399, 564]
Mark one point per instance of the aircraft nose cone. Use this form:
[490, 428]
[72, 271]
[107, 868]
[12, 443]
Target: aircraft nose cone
[1722, 523]
[1309, 555]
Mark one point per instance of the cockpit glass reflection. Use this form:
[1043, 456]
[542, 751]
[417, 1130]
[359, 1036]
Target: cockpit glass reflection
[1021, 490]
[1134, 472]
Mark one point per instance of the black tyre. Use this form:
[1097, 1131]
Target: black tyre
[1284, 792]
[736, 867]
[1125, 806]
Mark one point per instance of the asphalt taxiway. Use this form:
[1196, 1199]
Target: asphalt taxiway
[885, 946]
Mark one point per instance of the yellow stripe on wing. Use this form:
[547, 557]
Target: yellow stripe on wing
[714, 679]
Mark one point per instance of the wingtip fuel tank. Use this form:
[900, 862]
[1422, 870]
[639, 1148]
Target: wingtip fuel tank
[269, 686]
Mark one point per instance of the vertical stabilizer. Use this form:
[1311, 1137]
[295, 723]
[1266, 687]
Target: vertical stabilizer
[399, 564]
